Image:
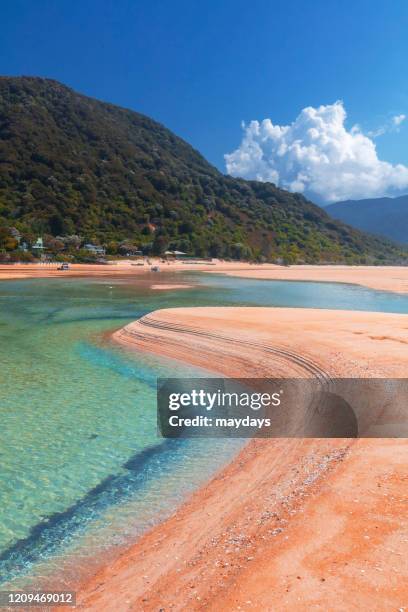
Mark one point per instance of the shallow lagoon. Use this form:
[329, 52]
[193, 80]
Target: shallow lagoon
[82, 469]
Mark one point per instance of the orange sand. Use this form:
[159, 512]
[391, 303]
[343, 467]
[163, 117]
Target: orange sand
[384, 278]
[163, 287]
[290, 524]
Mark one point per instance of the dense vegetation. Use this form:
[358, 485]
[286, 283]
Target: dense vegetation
[73, 166]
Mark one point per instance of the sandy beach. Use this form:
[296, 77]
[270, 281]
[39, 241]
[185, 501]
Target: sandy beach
[289, 524]
[385, 278]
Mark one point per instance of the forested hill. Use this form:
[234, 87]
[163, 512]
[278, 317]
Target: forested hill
[70, 164]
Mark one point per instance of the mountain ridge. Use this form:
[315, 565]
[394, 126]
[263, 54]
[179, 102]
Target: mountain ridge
[70, 164]
[382, 216]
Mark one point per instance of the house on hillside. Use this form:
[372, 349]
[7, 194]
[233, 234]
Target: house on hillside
[16, 234]
[38, 246]
[94, 249]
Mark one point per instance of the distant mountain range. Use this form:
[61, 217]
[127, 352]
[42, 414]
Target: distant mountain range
[72, 165]
[382, 216]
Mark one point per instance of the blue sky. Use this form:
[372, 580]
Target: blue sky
[202, 68]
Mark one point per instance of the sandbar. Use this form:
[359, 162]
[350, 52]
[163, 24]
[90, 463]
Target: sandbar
[291, 523]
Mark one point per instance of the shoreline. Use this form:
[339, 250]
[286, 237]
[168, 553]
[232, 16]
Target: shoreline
[241, 538]
[383, 278]
[380, 278]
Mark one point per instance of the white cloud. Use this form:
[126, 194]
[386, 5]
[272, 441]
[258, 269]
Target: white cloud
[392, 125]
[317, 155]
[398, 119]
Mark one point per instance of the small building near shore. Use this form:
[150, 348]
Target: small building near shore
[130, 250]
[174, 254]
[94, 249]
[38, 246]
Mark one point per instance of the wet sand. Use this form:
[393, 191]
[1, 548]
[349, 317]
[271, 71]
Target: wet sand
[289, 524]
[386, 278]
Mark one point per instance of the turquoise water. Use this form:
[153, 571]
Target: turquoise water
[306, 294]
[81, 467]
